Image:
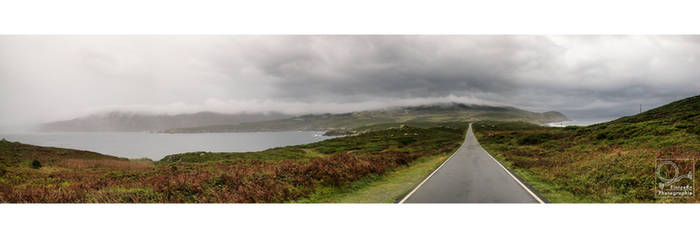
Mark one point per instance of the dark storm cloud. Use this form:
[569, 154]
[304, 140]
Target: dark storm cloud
[348, 68]
[582, 76]
[575, 74]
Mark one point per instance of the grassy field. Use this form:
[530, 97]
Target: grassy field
[327, 169]
[606, 162]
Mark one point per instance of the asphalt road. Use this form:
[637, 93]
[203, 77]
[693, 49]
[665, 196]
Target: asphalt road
[471, 175]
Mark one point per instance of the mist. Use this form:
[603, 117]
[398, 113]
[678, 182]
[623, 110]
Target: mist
[48, 78]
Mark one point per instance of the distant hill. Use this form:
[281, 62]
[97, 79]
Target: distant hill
[443, 112]
[687, 109]
[129, 121]
[15, 154]
[679, 119]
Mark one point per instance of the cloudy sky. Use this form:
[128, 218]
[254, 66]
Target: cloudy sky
[46, 78]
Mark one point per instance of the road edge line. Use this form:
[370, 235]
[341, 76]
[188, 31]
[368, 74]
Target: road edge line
[533, 194]
[516, 178]
[438, 168]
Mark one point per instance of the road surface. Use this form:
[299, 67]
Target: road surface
[471, 175]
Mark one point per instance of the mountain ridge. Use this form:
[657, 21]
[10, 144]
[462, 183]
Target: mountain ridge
[125, 121]
[440, 112]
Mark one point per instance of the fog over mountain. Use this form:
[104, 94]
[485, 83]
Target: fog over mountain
[130, 121]
[52, 78]
[431, 113]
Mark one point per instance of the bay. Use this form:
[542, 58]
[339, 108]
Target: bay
[156, 146]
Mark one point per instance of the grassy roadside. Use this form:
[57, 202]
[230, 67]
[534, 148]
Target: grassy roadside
[611, 162]
[380, 189]
[550, 191]
[52, 175]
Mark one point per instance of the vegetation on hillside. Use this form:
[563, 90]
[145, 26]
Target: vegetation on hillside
[606, 162]
[388, 188]
[283, 174]
[132, 121]
[426, 114]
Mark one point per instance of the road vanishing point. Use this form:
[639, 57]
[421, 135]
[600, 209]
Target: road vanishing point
[472, 175]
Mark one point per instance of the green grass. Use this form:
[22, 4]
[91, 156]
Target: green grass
[394, 139]
[606, 162]
[325, 169]
[548, 190]
[380, 189]
[15, 154]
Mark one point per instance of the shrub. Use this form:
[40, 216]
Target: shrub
[602, 136]
[406, 140]
[499, 138]
[534, 139]
[572, 128]
[275, 175]
[684, 125]
[695, 130]
[124, 195]
[36, 164]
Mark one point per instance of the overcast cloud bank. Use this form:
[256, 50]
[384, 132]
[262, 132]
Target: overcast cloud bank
[46, 78]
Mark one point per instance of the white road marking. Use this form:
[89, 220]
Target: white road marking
[516, 179]
[494, 159]
[466, 134]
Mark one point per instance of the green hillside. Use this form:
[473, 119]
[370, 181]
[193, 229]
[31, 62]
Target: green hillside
[392, 161]
[606, 162]
[14, 154]
[448, 112]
